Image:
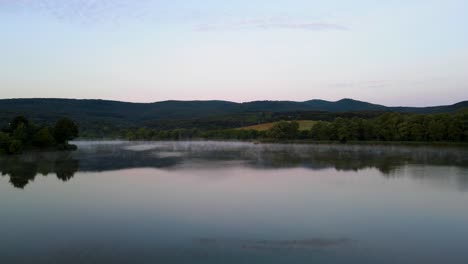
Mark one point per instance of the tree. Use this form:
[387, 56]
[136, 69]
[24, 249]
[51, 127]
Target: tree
[321, 131]
[368, 130]
[65, 130]
[4, 142]
[342, 129]
[417, 132]
[454, 132]
[43, 138]
[143, 133]
[17, 121]
[20, 132]
[16, 147]
[436, 130]
[283, 130]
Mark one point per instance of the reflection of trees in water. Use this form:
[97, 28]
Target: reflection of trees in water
[436, 164]
[432, 164]
[91, 158]
[436, 175]
[347, 158]
[24, 168]
[341, 157]
[66, 168]
[387, 159]
[21, 173]
[124, 159]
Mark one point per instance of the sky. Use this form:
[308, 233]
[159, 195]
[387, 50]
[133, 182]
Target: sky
[412, 52]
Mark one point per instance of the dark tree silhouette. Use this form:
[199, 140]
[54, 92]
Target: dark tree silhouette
[23, 170]
[65, 130]
[21, 135]
[17, 121]
[66, 168]
[284, 130]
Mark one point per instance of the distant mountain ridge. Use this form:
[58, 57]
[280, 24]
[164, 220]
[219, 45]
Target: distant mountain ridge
[128, 114]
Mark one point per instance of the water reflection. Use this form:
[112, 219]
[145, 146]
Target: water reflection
[109, 156]
[24, 169]
[274, 245]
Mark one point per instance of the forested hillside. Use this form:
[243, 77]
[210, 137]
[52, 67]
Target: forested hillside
[100, 118]
[388, 127]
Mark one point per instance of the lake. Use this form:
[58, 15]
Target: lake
[228, 202]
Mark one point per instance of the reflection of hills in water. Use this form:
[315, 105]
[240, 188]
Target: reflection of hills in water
[97, 157]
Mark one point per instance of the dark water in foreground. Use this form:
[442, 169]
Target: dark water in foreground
[207, 202]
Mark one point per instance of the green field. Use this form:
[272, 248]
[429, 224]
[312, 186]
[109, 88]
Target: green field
[303, 125]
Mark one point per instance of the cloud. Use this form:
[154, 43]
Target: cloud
[81, 11]
[269, 24]
[91, 12]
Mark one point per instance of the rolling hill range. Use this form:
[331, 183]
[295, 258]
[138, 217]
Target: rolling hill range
[206, 114]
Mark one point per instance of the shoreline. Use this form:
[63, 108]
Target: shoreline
[308, 142]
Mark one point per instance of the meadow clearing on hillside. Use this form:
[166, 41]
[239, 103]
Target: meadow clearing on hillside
[303, 125]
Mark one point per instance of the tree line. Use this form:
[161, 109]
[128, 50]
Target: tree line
[395, 127]
[451, 127]
[21, 134]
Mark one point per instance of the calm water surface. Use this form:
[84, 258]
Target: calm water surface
[218, 202]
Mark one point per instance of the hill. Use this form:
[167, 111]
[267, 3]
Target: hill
[106, 116]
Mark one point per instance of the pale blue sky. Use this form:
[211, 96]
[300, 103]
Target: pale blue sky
[411, 52]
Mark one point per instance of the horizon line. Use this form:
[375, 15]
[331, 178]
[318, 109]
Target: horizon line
[220, 100]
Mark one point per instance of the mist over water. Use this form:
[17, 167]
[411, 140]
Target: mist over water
[232, 202]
